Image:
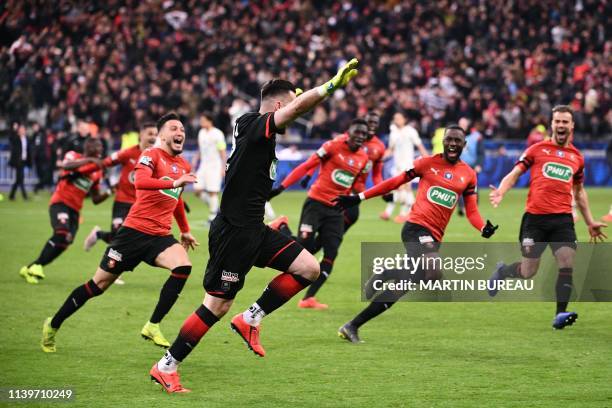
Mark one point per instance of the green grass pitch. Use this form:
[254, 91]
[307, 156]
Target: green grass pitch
[417, 354]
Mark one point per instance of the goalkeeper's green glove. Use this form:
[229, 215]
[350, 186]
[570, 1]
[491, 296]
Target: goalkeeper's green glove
[344, 75]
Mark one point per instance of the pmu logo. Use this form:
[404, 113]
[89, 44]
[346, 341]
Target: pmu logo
[442, 196]
[171, 192]
[342, 178]
[557, 171]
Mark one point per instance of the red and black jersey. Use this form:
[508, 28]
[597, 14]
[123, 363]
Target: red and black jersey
[339, 167]
[554, 171]
[74, 185]
[126, 193]
[375, 149]
[440, 186]
[156, 199]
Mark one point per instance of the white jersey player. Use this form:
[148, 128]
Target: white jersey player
[211, 170]
[402, 142]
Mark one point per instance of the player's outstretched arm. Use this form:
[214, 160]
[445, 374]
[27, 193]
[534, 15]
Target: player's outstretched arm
[347, 201]
[582, 202]
[313, 97]
[474, 217]
[296, 174]
[97, 197]
[497, 193]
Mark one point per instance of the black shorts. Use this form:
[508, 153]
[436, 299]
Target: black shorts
[64, 220]
[120, 211]
[318, 218]
[351, 215]
[540, 230]
[235, 250]
[130, 247]
[418, 240]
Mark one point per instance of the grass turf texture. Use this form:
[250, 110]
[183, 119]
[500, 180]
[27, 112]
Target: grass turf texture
[417, 354]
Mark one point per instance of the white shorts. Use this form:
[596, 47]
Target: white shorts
[209, 179]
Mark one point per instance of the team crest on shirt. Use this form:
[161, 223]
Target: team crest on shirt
[174, 168]
[560, 153]
[448, 175]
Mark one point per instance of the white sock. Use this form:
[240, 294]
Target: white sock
[269, 211]
[204, 198]
[213, 204]
[168, 364]
[253, 315]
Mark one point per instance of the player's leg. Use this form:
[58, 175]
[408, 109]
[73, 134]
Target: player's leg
[418, 241]
[212, 187]
[298, 267]
[65, 223]
[563, 245]
[533, 238]
[101, 281]
[330, 234]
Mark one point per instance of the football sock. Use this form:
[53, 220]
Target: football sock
[105, 236]
[370, 312]
[213, 204]
[50, 251]
[167, 364]
[75, 300]
[326, 269]
[193, 329]
[170, 292]
[253, 314]
[511, 271]
[563, 288]
[282, 288]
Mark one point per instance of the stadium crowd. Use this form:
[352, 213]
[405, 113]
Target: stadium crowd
[501, 63]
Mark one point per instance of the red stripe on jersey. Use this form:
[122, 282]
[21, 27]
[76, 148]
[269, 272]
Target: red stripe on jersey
[268, 126]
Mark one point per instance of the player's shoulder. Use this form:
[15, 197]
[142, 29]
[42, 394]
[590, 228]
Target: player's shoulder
[72, 155]
[376, 141]
[249, 117]
[466, 168]
[573, 149]
[149, 156]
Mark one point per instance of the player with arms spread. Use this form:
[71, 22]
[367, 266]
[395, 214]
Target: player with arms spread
[80, 176]
[238, 238]
[160, 175]
[557, 170]
[443, 177]
[125, 194]
[341, 162]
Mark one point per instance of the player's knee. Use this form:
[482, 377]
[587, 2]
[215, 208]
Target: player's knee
[305, 266]
[218, 306]
[61, 238]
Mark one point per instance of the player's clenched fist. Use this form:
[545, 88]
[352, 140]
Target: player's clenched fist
[188, 178]
[346, 201]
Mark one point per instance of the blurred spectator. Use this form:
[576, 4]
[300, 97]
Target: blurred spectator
[289, 153]
[20, 158]
[118, 62]
[43, 156]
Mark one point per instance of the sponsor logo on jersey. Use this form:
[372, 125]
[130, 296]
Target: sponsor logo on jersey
[229, 276]
[83, 183]
[448, 175]
[146, 160]
[442, 196]
[367, 167]
[117, 222]
[434, 171]
[273, 167]
[557, 171]
[116, 255]
[423, 239]
[342, 178]
[321, 152]
[546, 151]
[131, 176]
[171, 192]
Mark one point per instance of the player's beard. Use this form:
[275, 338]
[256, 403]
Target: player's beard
[565, 137]
[458, 151]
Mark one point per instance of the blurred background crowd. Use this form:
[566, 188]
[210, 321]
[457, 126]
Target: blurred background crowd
[500, 63]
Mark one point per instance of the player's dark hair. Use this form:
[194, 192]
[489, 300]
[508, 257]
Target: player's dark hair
[455, 126]
[275, 87]
[563, 109]
[359, 121]
[168, 116]
[146, 125]
[207, 114]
